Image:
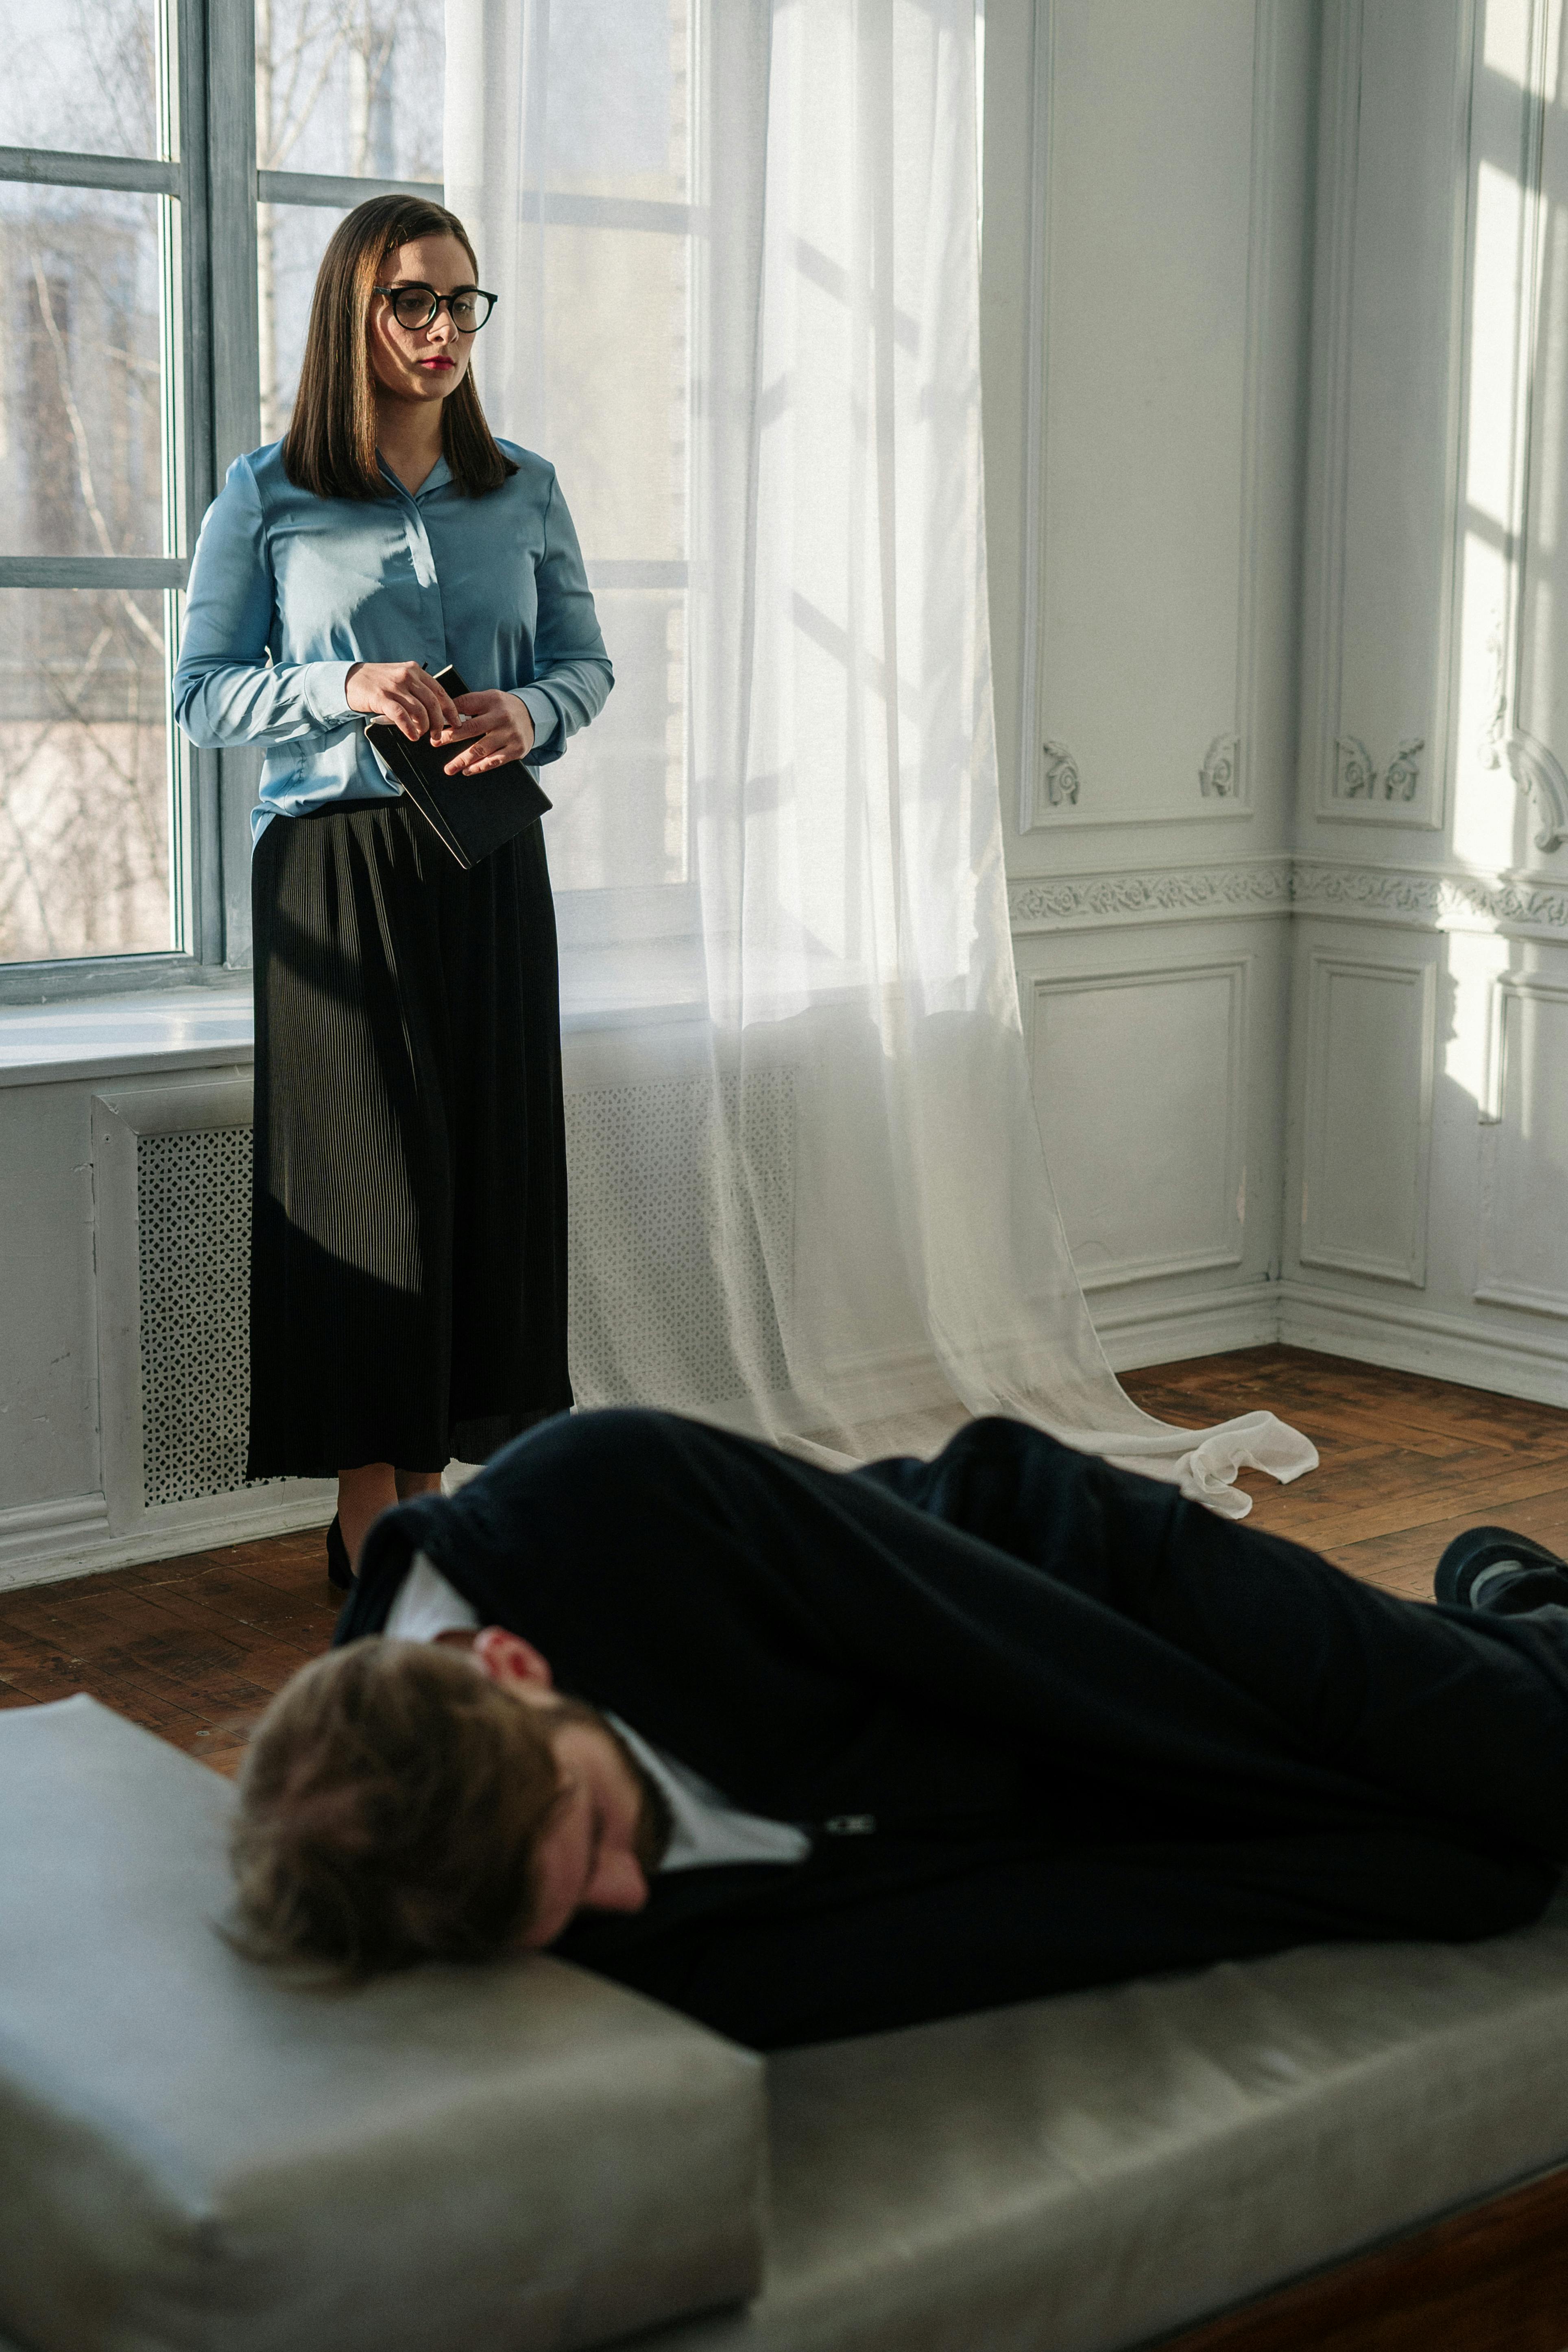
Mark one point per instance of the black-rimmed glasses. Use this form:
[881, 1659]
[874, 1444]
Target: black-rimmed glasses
[415, 306]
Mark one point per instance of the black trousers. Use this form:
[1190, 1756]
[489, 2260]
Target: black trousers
[408, 1236]
[1242, 1749]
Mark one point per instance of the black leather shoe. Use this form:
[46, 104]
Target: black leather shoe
[1542, 1578]
[339, 1570]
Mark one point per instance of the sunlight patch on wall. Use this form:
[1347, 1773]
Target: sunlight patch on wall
[1506, 42]
[1475, 961]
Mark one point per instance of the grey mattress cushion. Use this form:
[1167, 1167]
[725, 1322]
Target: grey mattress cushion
[1088, 2172]
[195, 2153]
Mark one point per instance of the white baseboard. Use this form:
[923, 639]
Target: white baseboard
[1241, 1316]
[40, 1543]
[1422, 1340]
[31, 1531]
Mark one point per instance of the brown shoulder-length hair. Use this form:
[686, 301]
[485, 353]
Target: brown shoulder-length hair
[330, 447]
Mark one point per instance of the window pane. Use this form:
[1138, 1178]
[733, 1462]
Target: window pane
[620, 820]
[615, 364]
[290, 242]
[615, 326]
[617, 103]
[84, 789]
[349, 86]
[81, 428]
[609, 402]
[81, 75]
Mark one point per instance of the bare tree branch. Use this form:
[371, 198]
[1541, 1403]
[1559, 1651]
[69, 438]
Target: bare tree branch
[280, 140]
[137, 618]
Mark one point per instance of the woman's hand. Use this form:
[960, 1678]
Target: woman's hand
[404, 694]
[496, 728]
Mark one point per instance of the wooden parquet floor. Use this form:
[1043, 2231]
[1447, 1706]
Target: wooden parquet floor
[194, 1647]
[1407, 1463]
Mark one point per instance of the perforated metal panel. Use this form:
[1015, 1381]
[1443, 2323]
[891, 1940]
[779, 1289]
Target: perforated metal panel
[192, 1203]
[655, 1208]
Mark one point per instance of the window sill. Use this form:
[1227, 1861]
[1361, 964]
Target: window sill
[104, 1036]
[631, 987]
[193, 1028]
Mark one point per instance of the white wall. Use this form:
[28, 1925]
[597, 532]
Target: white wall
[1426, 1213]
[1147, 256]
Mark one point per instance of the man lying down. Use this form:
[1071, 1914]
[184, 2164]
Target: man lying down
[808, 1754]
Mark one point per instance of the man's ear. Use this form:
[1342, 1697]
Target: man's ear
[508, 1659]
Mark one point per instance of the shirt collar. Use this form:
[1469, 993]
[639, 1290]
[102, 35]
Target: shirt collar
[440, 474]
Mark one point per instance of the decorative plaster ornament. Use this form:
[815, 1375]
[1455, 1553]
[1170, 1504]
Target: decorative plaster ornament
[1061, 776]
[1218, 777]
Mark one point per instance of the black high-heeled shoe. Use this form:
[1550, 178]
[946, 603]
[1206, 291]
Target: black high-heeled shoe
[340, 1570]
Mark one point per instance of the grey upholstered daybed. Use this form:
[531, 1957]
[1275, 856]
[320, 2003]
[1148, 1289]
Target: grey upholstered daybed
[195, 2156]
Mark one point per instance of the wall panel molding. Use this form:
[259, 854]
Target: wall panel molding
[1032, 749]
[1060, 787]
[1370, 1027]
[1431, 898]
[1157, 894]
[1521, 1258]
[1530, 760]
[1339, 99]
[1177, 1032]
[1378, 739]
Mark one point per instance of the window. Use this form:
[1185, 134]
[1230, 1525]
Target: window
[174, 172]
[155, 283]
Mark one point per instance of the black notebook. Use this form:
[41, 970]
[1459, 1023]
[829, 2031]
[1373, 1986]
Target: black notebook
[469, 815]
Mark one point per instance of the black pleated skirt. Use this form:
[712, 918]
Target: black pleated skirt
[409, 1233]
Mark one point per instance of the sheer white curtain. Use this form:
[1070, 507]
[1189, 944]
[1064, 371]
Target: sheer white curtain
[736, 246]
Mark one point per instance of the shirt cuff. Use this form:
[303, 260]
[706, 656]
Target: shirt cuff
[541, 709]
[326, 691]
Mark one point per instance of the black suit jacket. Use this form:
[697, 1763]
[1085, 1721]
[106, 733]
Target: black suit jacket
[927, 1647]
[820, 1644]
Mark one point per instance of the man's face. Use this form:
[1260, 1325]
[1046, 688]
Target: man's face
[610, 1830]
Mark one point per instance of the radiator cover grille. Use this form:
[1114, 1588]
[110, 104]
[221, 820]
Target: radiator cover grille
[193, 1215]
[651, 1221]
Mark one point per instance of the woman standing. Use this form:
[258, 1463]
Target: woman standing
[408, 1240]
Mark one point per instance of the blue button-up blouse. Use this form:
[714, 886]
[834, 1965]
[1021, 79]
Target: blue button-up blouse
[289, 591]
